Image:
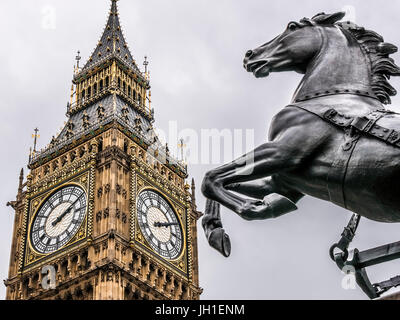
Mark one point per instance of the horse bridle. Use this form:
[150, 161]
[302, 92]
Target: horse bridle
[314, 95]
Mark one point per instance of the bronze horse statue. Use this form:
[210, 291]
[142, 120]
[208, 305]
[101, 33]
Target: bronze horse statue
[335, 141]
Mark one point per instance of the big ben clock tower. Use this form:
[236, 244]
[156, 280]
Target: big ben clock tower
[105, 212]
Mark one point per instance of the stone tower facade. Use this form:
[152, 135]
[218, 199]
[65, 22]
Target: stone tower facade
[105, 212]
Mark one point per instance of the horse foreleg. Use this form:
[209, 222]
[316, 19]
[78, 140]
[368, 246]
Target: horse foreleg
[213, 229]
[262, 187]
[266, 160]
[281, 199]
[256, 189]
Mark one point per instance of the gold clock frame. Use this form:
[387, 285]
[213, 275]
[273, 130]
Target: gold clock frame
[181, 225]
[31, 255]
[181, 262]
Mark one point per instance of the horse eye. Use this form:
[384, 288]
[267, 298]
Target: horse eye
[292, 26]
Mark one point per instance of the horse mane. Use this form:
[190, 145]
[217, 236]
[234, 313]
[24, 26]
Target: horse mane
[378, 51]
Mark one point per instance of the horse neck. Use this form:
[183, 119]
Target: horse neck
[340, 67]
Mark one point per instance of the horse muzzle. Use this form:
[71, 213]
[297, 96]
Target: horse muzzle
[259, 68]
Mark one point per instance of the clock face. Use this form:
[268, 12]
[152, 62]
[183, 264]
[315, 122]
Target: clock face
[159, 224]
[58, 219]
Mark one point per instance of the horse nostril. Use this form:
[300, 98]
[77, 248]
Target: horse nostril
[249, 53]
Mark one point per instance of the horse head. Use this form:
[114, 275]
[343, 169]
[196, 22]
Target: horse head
[291, 50]
[336, 57]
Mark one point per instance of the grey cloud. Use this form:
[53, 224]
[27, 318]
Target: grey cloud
[196, 50]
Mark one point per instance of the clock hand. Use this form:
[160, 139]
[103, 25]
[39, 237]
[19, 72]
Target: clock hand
[58, 220]
[165, 224]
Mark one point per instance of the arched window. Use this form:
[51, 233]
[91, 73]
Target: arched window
[125, 146]
[100, 148]
[101, 85]
[129, 90]
[95, 88]
[107, 81]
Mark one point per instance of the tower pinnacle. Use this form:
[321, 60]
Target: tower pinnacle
[112, 44]
[35, 136]
[146, 64]
[78, 58]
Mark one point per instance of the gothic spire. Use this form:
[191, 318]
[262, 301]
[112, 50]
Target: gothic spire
[112, 43]
[21, 180]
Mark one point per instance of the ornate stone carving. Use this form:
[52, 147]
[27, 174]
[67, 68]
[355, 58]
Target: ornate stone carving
[107, 188]
[95, 145]
[124, 217]
[100, 112]
[98, 216]
[85, 120]
[106, 213]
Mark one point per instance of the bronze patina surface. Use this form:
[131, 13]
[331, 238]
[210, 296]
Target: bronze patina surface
[335, 141]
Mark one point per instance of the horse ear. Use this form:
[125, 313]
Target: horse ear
[323, 18]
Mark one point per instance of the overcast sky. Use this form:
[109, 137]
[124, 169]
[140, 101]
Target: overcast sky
[195, 50]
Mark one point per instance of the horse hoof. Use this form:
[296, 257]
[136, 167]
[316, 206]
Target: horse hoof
[279, 205]
[220, 241]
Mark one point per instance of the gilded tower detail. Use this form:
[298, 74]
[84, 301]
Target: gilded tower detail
[105, 212]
